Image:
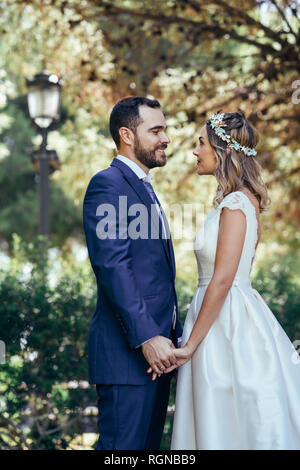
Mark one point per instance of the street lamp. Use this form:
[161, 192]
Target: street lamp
[44, 101]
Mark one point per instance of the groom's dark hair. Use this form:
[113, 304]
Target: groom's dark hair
[126, 114]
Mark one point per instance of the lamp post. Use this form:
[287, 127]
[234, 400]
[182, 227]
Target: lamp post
[44, 100]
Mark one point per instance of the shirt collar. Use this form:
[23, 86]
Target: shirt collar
[135, 168]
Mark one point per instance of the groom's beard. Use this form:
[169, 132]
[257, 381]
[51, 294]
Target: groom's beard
[150, 158]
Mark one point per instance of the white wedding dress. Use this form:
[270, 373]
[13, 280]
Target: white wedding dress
[241, 388]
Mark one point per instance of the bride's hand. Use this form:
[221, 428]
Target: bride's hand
[182, 354]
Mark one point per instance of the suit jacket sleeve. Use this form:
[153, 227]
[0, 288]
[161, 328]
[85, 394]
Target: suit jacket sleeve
[111, 260]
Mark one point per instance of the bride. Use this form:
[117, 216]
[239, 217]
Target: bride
[238, 386]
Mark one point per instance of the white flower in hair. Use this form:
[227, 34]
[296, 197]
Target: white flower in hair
[217, 124]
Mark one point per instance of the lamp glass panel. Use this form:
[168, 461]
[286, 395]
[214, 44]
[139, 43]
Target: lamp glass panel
[43, 104]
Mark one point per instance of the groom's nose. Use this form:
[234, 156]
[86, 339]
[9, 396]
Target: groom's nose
[165, 139]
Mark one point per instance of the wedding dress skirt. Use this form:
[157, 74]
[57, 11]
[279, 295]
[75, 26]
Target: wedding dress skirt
[241, 388]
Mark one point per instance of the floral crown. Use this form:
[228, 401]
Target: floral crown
[216, 123]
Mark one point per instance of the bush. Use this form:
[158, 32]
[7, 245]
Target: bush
[278, 283]
[43, 382]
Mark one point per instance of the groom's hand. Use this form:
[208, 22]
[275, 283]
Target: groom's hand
[159, 353]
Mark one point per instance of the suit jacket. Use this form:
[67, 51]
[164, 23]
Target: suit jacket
[135, 278]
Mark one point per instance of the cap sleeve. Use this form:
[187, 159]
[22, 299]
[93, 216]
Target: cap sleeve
[234, 201]
[239, 201]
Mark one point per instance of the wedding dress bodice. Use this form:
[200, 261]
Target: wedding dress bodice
[205, 243]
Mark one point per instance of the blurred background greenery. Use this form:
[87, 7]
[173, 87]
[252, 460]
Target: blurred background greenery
[195, 57]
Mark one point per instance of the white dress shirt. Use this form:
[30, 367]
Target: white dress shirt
[134, 167]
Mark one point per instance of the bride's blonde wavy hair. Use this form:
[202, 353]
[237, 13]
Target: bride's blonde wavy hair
[235, 169]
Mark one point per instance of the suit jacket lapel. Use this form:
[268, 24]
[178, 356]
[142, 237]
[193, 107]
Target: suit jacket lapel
[143, 194]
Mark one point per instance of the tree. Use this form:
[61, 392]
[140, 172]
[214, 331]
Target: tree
[193, 56]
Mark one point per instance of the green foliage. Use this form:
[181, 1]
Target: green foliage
[278, 283]
[43, 383]
[194, 57]
[19, 190]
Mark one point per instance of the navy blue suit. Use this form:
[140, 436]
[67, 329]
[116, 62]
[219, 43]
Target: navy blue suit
[136, 298]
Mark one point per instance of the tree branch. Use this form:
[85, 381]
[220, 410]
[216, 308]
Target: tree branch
[200, 27]
[280, 11]
[251, 21]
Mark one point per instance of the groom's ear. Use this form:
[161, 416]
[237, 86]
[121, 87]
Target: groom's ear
[126, 136]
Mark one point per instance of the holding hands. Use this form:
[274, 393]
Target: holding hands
[182, 355]
[159, 352]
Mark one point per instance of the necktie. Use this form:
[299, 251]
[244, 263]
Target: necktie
[151, 192]
[153, 196]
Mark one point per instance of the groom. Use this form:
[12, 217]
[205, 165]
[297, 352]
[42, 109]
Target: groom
[135, 324]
